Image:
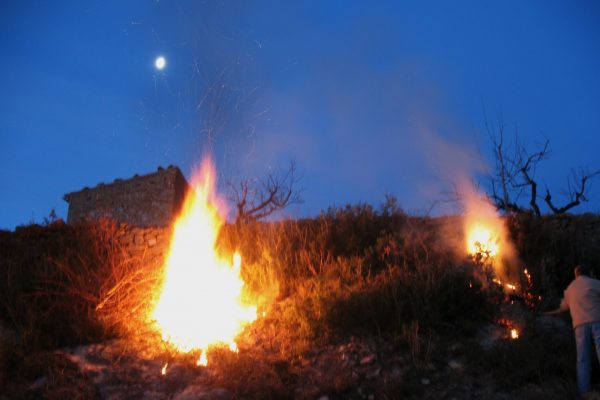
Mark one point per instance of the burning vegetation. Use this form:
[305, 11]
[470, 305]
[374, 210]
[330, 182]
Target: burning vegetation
[372, 299]
[201, 301]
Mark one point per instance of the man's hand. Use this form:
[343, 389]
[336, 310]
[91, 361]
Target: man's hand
[553, 312]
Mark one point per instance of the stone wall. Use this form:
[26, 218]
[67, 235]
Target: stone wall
[146, 244]
[144, 201]
[154, 241]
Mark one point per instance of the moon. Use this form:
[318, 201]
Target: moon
[160, 62]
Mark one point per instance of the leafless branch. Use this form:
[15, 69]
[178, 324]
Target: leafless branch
[527, 163]
[260, 199]
[515, 170]
[577, 195]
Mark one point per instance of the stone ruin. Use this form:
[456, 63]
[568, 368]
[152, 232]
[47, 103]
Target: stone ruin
[151, 200]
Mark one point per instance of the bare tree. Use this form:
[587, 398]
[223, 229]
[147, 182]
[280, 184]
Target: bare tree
[514, 175]
[577, 191]
[258, 199]
[223, 110]
[515, 170]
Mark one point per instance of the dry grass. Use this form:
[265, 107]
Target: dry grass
[65, 285]
[324, 279]
[352, 270]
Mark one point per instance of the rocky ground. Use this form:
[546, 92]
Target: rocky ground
[354, 367]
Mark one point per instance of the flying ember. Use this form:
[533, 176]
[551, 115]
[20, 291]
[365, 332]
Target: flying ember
[200, 303]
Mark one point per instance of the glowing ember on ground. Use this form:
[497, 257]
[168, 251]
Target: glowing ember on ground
[527, 276]
[200, 303]
[514, 333]
[163, 371]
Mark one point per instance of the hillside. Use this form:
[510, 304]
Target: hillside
[356, 303]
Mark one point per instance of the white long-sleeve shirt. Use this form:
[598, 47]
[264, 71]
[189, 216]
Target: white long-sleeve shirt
[582, 299]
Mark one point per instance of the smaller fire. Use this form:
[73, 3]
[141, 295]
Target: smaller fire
[511, 328]
[514, 333]
[509, 286]
[482, 242]
[163, 371]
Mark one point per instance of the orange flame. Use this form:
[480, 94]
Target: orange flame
[483, 239]
[514, 333]
[202, 360]
[200, 303]
[485, 233]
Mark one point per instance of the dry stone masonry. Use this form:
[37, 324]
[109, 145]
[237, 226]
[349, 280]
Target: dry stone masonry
[144, 243]
[151, 200]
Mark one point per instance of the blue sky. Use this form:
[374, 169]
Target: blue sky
[368, 98]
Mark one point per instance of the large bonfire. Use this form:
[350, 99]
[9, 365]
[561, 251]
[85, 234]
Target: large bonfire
[200, 303]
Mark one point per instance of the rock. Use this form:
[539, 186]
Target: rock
[138, 239]
[455, 347]
[425, 381]
[39, 383]
[126, 239]
[489, 335]
[199, 392]
[323, 398]
[374, 373]
[455, 365]
[305, 362]
[367, 359]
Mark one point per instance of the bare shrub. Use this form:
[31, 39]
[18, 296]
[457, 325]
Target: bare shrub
[65, 285]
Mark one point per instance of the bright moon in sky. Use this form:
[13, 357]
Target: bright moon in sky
[160, 62]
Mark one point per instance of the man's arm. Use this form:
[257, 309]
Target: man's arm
[564, 307]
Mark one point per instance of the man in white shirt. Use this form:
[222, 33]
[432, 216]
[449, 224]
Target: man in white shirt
[582, 299]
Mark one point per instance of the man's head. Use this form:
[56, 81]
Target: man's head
[582, 269]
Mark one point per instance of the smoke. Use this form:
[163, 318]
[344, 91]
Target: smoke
[458, 164]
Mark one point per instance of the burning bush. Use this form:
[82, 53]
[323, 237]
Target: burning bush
[400, 271]
[350, 271]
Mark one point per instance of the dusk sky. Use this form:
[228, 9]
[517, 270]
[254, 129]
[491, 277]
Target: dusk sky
[367, 97]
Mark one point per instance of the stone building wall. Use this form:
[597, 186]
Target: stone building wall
[148, 200]
[150, 244]
[147, 245]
